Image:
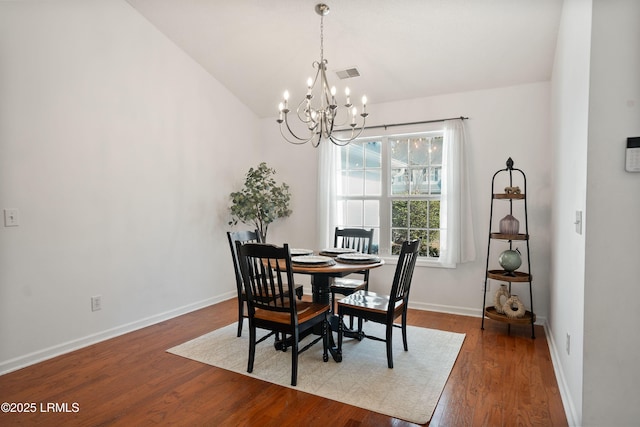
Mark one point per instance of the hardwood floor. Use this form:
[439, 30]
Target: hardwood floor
[498, 380]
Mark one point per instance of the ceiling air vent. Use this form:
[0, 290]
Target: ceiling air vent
[348, 73]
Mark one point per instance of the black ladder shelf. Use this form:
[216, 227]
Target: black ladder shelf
[510, 197]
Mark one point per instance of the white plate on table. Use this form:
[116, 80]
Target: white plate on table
[312, 260]
[300, 251]
[358, 258]
[337, 251]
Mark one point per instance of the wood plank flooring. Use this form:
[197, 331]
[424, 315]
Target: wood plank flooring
[498, 380]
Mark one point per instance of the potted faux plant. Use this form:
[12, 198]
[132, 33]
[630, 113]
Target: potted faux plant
[261, 201]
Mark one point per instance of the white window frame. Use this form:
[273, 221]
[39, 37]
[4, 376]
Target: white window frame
[385, 199]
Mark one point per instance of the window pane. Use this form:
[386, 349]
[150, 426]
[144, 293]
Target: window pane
[354, 213]
[356, 156]
[436, 150]
[375, 245]
[373, 183]
[419, 151]
[397, 237]
[434, 243]
[419, 183]
[435, 179]
[371, 213]
[355, 183]
[399, 181]
[400, 213]
[399, 152]
[373, 153]
[424, 241]
[434, 214]
[418, 213]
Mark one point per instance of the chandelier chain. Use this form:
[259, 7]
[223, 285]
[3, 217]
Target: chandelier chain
[321, 38]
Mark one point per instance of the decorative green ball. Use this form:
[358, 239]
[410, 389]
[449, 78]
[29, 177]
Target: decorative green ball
[510, 260]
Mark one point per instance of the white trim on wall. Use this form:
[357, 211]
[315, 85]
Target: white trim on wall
[76, 344]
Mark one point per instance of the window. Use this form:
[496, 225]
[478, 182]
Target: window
[393, 184]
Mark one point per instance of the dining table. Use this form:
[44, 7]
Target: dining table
[323, 269]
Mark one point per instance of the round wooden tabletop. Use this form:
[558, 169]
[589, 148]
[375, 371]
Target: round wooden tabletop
[337, 268]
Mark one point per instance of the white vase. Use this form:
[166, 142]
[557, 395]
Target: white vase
[498, 301]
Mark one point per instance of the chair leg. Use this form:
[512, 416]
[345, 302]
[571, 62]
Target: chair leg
[340, 333]
[390, 346]
[252, 347]
[325, 339]
[294, 359]
[404, 330]
[240, 316]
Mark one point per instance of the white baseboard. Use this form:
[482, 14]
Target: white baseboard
[69, 346]
[573, 418]
[462, 311]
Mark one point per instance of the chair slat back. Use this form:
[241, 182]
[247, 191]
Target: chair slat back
[244, 236]
[267, 276]
[404, 272]
[359, 239]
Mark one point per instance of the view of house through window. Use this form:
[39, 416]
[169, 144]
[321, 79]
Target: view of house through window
[392, 184]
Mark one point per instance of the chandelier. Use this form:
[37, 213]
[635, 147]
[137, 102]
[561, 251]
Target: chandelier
[323, 119]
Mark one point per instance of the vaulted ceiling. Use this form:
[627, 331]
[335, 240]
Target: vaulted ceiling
[402, 49]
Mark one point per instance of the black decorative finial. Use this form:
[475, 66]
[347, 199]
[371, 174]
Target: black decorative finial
[509, 163]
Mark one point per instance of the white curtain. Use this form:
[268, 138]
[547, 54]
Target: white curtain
[328, 182]
[456, 240]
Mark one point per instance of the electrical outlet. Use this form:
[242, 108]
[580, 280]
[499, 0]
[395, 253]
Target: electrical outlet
[96, 303]
[568, 344]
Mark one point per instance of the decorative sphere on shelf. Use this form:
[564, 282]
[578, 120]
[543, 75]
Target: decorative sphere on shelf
[510, 260]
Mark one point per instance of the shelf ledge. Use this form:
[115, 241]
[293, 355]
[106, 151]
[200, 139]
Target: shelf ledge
[504, 196]
[503, 236]
[503, 275]
[527, 319]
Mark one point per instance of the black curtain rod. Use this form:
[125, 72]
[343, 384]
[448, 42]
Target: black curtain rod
[407, 124]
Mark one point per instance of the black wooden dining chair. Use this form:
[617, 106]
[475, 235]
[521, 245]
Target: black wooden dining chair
[384, 309]
[245, 236]
[267, 275]
[358, 239]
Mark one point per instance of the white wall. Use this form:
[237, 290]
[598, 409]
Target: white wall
[506, 122]
[570, 105]
[119, 152]
[611, 341]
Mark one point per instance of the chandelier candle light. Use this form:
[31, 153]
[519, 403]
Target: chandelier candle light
[322, 120]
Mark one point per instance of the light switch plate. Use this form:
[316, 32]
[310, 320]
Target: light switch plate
[11, 218]
[578, 222]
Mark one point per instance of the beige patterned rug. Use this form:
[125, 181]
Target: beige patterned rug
[410, 391]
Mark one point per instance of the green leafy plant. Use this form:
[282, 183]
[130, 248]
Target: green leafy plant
[261, 201]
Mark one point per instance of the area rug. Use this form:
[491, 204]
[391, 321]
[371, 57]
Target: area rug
[410, 391]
